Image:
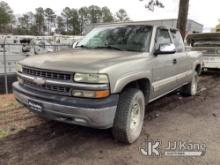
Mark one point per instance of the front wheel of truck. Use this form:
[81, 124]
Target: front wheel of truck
[129, 117]
[192, 88]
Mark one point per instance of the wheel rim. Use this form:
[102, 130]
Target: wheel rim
[135, 116]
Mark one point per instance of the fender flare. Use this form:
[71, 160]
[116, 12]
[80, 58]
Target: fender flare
[125, 80]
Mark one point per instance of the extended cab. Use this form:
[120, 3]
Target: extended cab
[107, 81]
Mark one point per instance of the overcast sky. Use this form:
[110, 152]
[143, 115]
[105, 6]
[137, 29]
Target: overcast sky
[205, 12]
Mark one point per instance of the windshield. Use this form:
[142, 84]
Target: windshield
[211, 43]
[127, 38]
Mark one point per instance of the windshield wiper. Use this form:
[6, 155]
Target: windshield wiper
[99, 47]
[82, 46]
[108, 47]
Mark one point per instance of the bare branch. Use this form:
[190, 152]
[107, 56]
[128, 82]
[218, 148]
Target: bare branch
[151, 4]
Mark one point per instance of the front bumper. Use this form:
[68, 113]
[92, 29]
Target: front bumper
[212, 65]
[97, 113]
[212, 62]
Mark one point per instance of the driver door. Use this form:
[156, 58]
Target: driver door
[164, 79]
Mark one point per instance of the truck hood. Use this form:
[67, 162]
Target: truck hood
[80, 60]
[202, 37]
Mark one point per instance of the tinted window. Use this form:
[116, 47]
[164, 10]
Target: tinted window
[163, 37]
[178, 41]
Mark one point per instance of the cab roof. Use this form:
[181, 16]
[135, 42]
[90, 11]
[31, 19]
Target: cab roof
[133, 24]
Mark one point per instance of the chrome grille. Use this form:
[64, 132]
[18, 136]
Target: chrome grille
[210, 51]
[47, 74]
[48, 88]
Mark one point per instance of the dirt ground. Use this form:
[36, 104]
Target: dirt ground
[27, 139]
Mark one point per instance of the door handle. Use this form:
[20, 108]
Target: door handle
[174, 61]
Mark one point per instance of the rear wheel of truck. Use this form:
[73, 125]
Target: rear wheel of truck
[129, 117]
[192, 88]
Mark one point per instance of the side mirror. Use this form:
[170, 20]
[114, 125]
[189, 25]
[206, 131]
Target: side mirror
[165, 49]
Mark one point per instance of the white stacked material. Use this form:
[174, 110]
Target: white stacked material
[20, 47]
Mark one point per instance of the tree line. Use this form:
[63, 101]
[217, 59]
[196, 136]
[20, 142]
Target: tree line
[182, 14]
[42, 21]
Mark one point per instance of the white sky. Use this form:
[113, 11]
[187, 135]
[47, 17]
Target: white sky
[205, 12]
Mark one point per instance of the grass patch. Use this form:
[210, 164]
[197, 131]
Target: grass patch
[11, 105]
[3, 133]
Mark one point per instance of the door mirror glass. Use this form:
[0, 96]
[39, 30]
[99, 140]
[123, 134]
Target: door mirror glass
[165, 49]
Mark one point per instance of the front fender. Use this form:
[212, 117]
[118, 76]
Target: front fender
[196, 59]
[128, 78]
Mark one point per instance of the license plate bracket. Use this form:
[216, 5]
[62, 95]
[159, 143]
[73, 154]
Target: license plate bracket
[35, 106]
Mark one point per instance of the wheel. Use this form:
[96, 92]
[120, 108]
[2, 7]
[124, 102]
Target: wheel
[129, 117]
[191, 88]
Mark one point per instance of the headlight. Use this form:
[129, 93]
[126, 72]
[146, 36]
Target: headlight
[19, 68]
[91, 78]
[90, 94]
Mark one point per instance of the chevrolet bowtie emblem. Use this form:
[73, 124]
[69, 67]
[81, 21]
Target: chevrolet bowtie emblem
[39, 81]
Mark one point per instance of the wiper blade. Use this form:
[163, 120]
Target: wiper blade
[82, 46]
[108, 47]
[99, 47]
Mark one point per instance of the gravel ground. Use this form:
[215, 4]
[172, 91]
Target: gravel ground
[28, 139]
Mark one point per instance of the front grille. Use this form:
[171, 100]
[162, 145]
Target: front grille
[210, 51]
[47, 74]
[48, 88]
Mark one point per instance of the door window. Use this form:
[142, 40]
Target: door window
[178, 41]
[163, 37]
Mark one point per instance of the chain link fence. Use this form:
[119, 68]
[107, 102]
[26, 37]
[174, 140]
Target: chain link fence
[11, 53]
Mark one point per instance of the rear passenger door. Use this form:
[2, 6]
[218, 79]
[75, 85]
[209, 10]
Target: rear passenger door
[183, 68]
[164, 79]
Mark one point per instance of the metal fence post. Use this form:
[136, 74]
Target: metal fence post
[5, 66]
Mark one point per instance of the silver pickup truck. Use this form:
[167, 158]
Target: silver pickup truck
[107, 81]
[209, 45]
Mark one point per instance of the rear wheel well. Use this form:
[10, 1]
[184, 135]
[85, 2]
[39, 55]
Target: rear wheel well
[143, 85]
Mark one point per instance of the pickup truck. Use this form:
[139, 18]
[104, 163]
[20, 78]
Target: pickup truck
[209, 45]
[110, 78]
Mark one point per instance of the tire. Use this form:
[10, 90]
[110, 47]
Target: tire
[129, 117]
[191, 88]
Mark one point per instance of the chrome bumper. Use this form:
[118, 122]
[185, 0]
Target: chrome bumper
[212, 65]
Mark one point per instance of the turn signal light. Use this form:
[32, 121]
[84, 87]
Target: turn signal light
[101, 94]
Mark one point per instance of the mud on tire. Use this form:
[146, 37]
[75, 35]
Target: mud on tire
[129, 117]
[191, 88]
